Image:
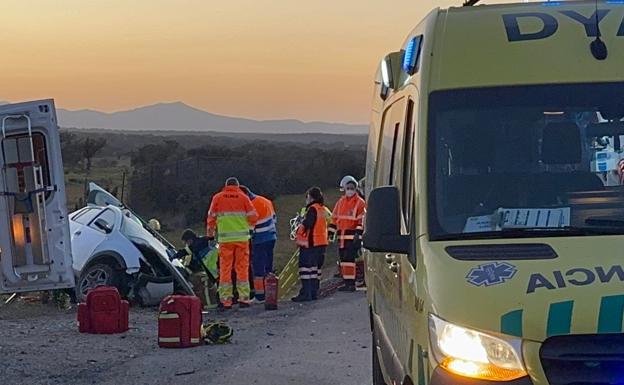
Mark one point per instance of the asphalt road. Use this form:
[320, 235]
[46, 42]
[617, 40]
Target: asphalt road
[326, 342]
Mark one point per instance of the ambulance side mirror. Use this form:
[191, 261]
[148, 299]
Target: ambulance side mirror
[382, 232]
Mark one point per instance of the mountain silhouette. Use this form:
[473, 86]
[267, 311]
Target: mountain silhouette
[182, 117]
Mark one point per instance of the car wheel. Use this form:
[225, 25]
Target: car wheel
[377, 374]
[99, 274]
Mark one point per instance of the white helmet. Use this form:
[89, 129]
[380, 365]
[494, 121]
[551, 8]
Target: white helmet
[154, 224]
[348, 179]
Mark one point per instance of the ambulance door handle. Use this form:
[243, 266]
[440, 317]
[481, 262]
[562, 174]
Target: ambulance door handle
[78, 233]
[394, 267]
[389, 258]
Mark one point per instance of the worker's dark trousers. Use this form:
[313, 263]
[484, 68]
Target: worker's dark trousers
[309, 274]
[262, 262]
[347, 262]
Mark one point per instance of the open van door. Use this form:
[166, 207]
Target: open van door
[35, 252]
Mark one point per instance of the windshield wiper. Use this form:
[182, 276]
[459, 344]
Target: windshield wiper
[605, 221]
[532, 232]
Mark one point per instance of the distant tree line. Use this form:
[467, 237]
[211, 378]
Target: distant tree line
[124, 143]
[170, 179]
[80, 150]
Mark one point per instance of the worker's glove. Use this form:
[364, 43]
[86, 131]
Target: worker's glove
[176, 255]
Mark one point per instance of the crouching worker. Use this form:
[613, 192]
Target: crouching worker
[199, 258]
[311, 237]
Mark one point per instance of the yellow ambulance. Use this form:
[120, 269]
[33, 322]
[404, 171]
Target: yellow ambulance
[495, 229]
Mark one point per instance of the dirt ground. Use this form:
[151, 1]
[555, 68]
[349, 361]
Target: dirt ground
[325, 342]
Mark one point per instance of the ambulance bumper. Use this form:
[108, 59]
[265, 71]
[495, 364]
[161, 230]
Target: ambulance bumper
[443, 377]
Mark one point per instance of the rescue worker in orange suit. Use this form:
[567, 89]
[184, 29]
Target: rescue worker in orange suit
[232, 217]
[347, 219]
[311, 237]
[262, 241]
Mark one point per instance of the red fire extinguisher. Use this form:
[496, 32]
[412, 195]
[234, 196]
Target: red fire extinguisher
[271, 285]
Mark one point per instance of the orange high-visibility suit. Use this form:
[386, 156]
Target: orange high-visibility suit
[347, 218]
[233, 217]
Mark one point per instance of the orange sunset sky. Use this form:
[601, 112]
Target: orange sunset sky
[308, 60]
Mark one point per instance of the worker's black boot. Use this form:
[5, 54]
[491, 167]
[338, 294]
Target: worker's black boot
[305, 292]
[316, 283]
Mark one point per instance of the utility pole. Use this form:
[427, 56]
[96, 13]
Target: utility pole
[123, 186]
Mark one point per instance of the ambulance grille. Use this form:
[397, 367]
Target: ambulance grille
[518, 251]
[584, 359]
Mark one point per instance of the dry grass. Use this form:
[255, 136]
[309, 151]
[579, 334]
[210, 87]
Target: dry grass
[105, 176]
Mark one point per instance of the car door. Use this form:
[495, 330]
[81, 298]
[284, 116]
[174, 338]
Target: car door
[35, 251]
[84, 237]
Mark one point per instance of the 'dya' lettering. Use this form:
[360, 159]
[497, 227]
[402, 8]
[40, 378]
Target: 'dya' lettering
[549, 24]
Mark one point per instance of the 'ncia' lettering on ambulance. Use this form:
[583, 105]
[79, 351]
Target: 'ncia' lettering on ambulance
[577, 276]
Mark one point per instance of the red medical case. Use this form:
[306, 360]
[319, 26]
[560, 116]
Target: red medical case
[179, 322]
[104, 312]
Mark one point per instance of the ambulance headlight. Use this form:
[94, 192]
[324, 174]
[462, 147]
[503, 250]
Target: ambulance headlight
[470, 353]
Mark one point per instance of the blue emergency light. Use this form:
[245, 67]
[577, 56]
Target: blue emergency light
[412, 54]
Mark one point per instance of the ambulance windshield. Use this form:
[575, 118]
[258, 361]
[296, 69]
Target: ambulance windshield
[528, 159]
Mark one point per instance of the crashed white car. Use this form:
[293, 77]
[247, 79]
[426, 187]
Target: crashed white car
[113, 246]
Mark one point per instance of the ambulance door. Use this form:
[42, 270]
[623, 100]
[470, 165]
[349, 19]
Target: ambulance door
[35, 252]
[387, 295]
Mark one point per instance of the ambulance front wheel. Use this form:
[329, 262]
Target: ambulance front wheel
[96, 275]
